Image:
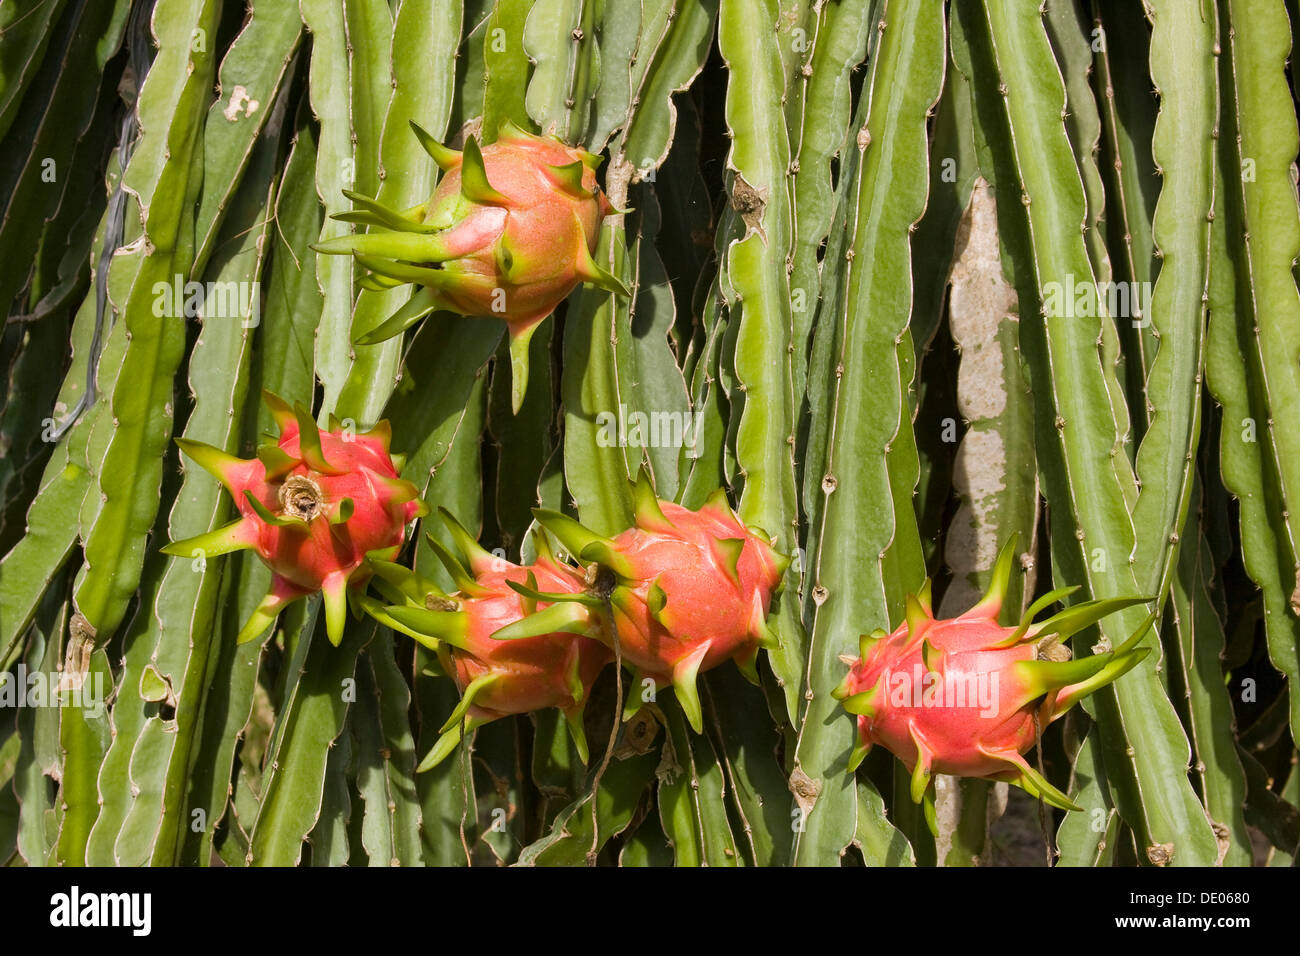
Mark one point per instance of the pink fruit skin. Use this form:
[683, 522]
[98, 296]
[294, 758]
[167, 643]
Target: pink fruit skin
[533, 671]
[543, 226]
[974, 737]
[305, 559]
[704, 603]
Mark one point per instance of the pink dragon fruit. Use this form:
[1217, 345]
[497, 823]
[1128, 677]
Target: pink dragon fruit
[968, 697]
[509, 232]
[316, 507]
[688, 591]
[496, 678]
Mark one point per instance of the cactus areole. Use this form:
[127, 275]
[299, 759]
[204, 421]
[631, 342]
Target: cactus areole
[508, 233]
[316, 506]
[968, 697]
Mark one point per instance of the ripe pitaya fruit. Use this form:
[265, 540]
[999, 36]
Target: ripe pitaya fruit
[508, 233]
[688, 590]
[959, 696]
[315, 506]
[496, 678]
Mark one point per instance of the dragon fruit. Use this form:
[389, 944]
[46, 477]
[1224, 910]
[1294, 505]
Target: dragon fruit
[316, 506]
[496, 678]
[968, 697]
[509, 232]
[687, 589]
